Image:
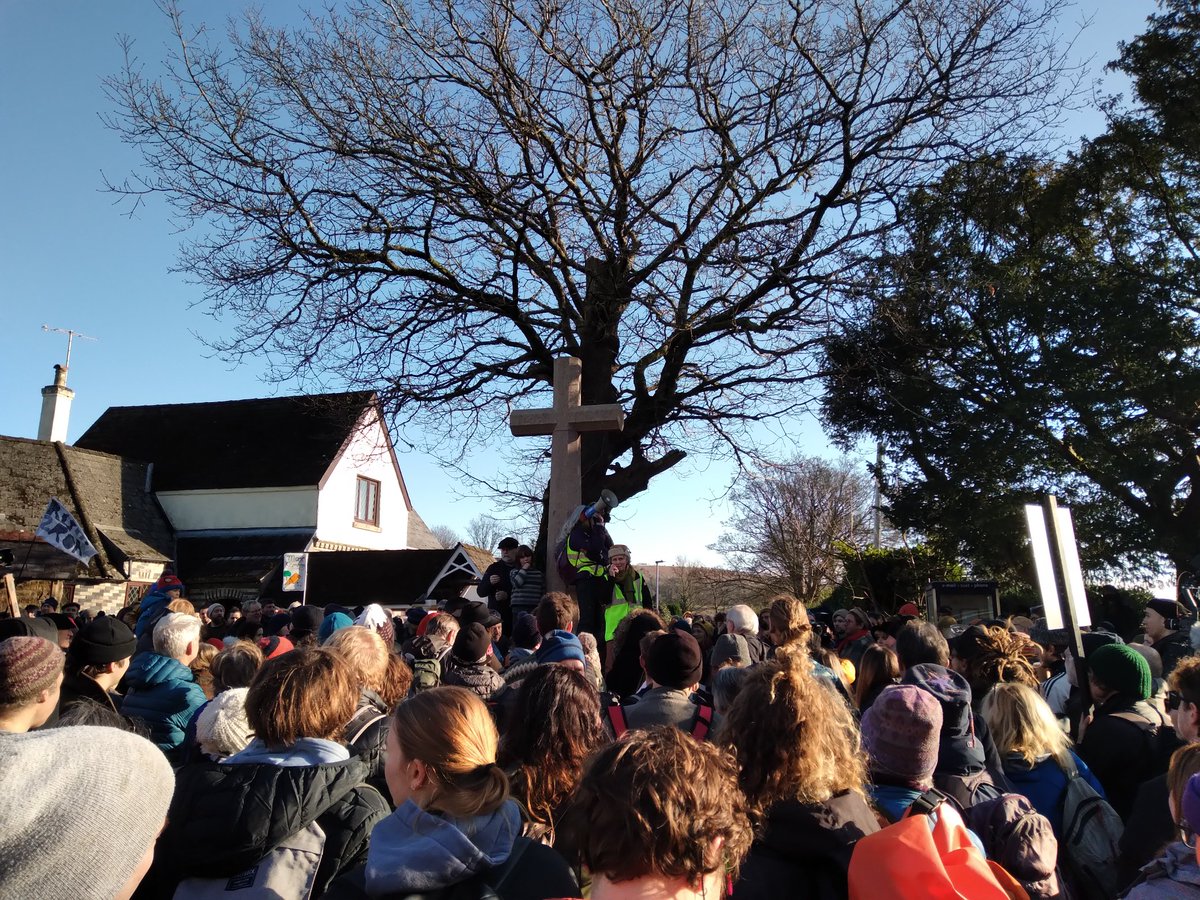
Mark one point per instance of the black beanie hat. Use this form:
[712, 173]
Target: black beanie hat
[307, 619]
[102, 641]
[674, 660]
[472, 643]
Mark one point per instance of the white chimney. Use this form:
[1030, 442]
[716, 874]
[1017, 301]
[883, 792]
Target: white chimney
[56, 407]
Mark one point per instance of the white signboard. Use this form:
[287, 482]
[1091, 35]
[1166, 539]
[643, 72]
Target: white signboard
[1068, 553]
[295, 571]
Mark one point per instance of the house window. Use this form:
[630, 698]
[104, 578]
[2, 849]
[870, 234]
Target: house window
[366, 502]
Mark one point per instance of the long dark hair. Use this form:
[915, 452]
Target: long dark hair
[878, 668]
[556, 725]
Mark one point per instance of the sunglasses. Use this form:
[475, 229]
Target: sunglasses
[1174, 700]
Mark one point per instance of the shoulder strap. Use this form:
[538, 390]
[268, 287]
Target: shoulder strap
[616, 712]
[370, 720]
[927, 803]
[702, 722]
[500, 877]
[1070, 769]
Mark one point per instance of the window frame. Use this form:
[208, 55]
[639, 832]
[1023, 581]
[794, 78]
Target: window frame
[374, 491]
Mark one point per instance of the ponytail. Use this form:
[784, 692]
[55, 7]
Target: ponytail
[450, 730]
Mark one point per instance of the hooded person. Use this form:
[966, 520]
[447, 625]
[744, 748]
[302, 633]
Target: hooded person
[969, 768]
[331, 623]
[154, 603]
[1125, 742]
[104, 809]
[455, 829]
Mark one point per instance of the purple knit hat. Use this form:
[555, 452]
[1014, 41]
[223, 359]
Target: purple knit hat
[900, 732]
[1191, 804]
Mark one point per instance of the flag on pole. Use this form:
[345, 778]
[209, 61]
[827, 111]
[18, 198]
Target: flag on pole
[59, 529]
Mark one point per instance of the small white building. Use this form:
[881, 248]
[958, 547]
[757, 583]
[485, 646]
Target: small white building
[245, 481]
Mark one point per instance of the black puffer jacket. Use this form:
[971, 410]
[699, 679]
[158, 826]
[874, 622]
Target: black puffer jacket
[803, 851]
[224, 818]
[366, 736]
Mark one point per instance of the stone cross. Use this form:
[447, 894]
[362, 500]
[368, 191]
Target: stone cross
[565, 420]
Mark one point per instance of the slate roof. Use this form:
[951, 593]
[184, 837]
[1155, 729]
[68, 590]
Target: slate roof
[271, 442]
[106, 495]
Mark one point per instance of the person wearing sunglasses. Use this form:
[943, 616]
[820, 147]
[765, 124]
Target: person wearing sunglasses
[1150, 826]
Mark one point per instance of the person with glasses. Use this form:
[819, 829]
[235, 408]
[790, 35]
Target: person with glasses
[1150, 826]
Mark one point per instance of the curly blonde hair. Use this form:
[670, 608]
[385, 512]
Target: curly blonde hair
[792, 736]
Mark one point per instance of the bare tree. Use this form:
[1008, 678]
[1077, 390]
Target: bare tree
[446, 535]
[791, 518]
[437, 198]
[487, 531]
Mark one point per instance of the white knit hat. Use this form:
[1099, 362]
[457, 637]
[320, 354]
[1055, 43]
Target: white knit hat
[98, 795]
[221, 728]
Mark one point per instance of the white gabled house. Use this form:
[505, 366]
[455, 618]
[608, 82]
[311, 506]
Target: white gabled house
[245, 481]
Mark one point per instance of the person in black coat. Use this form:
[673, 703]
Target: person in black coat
[796, 746]
[496, 585]
[227, 817]
[1127, 741]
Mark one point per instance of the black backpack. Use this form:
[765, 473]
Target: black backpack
[967, 790]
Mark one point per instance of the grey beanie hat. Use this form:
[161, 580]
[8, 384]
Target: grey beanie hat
[104, 809]
[730, 648]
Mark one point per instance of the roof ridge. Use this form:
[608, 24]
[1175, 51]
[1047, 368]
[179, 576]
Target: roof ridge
[364, 394]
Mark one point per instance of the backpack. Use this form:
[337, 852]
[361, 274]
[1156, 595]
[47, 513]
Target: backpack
[967, 790]
[910, 860]
[1020, 839]
[290, 870]
[566, 571]
[1091, 832]
[701, 721]
[427, 673]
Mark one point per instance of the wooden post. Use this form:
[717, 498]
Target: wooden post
[564, 421]
[10, 588]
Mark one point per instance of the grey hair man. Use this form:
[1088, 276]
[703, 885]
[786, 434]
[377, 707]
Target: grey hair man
[741, 620]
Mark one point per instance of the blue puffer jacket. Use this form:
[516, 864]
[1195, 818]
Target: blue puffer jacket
[162, 693]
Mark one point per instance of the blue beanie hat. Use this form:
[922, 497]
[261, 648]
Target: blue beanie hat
[559, 646]
[333, 623]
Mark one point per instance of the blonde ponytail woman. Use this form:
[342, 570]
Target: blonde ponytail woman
[454, 821]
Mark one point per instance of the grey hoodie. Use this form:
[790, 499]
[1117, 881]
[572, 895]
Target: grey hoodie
[413, 850]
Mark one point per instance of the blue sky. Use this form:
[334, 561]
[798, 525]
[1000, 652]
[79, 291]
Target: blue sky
[73, 258]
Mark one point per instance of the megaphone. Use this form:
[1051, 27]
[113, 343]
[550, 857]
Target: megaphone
[608, 501]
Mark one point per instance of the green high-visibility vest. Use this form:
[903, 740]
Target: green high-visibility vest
[621, 607]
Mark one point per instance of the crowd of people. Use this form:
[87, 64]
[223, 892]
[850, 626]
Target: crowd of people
[497, 747]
